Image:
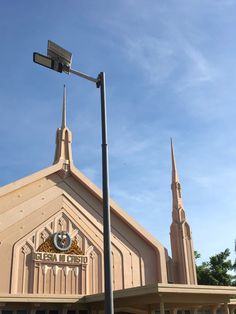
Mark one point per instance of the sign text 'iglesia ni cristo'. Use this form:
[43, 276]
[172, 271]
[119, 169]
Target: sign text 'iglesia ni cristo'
[60, 258]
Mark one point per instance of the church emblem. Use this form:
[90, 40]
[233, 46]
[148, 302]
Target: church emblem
[60, 248]
[62, 241]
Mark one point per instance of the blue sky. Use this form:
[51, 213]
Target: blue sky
[171, 72]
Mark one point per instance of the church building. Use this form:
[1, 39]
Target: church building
[51, 246]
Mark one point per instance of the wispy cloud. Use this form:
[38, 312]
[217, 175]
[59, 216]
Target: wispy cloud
[196, 68]
[129, 143]
[167, 52]
[155, 57]
[163, 60]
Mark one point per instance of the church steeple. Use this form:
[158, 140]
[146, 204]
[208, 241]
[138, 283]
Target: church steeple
[180, 234]
[63, 139]
[175, 184]
[63, 120]
[175, 177]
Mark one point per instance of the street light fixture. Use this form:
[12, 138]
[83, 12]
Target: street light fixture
[47, 62]
[59, 59]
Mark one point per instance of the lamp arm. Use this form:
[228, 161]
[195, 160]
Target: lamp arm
[83, 75]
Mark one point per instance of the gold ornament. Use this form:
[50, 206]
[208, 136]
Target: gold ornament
[48, 246]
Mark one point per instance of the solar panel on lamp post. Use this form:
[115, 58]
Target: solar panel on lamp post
[59, 59]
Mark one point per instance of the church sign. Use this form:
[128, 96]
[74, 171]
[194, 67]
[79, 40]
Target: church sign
[60, 258]
[59, 248]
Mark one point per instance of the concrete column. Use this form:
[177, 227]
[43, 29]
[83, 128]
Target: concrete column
[63, 310]
[162, 308]
[149, 309]
[34, 308]
[226, 308]
[194, 310]
[214, 309]
[173, 311]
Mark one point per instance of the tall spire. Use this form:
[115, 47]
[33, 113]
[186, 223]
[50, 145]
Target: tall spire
[180, 234]
[63, 139]
[175, 184]
[63, 121]
[175, 177]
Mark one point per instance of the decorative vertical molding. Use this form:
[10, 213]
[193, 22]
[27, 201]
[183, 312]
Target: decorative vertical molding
[72, 281]
[61, 281]
[51, 280]
[34, 277]
[86, 283]
[76, 274]
[44, 272]
[88, 251]
[70, 227]
[39, 278]
[25, 250]
[55, 272]
[43, 235]
[87, 280]
[113, 270]
[85, 246]
[142, 272]
[65, 271]
[83, 284]
[61, 223]
[92, 257]
[131, 269]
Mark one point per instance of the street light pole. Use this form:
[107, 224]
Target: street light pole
[106, 206]
[59, 59]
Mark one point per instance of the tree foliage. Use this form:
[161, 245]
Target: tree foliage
[217, 270]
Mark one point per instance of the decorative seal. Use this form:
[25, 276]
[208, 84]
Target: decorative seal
[49, 247]
[62, 241]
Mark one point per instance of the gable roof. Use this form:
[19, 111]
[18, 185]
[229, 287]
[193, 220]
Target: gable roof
[63, 162]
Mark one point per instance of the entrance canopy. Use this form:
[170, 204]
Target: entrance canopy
[157, 298]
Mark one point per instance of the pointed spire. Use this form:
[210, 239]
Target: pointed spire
[184, 269]
[63, 139]
[175, 184]
[175, 177]
[63, 121]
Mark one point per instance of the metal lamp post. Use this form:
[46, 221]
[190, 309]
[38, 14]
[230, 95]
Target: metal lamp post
[59, 59]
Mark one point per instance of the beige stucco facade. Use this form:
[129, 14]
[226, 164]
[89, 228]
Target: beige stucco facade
[51, 244]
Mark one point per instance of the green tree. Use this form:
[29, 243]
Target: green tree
[216, 270]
